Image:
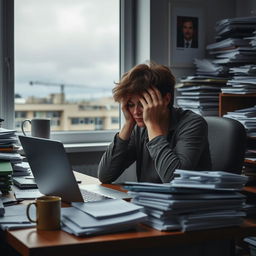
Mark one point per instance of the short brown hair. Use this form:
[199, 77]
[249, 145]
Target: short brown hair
[142, 77]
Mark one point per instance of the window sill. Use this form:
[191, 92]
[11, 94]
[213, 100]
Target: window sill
[86, 147]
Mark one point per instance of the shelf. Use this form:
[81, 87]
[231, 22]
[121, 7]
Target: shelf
[231, 102]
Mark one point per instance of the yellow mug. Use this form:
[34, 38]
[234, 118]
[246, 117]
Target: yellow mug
[47, 212]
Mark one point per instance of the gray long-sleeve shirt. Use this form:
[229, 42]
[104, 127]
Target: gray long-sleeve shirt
[185, 147]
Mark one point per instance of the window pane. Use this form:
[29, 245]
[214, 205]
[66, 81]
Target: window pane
[66, 63]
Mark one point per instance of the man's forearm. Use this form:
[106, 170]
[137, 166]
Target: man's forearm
[126, 131]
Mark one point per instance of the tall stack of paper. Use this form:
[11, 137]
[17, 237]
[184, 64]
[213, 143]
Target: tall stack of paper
[235, 49]
[101, 217]
[192, 201]
[232, 43]
[200, 94]
[9, 152]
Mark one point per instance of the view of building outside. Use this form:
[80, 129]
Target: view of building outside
[66, 63]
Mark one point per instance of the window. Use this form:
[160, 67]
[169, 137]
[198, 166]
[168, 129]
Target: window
[114, 120]
[66, 61]
[7, 62]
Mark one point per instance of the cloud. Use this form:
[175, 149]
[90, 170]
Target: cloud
[67, 41]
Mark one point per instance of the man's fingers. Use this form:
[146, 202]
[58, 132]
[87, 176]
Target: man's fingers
[147, 97]
[158, 94]
[143, 102]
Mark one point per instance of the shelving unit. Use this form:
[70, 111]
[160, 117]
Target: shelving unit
[231, 102]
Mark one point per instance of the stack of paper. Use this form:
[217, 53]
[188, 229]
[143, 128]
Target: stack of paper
[247, 117]
[9, 152]
[101, 217]
[8, 141]
[15, 217]
[192, 201]
[235, 27]
[235, 49]
[208, 180]
[200, 94]
[21, 169]
[241, 85]
[205, 67]
[245, 70]
[232, 43]
[243, 81]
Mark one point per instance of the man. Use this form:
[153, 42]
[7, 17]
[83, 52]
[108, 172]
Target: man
[159, 137]
[188, 38]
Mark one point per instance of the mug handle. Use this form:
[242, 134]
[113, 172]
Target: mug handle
[22, 126]
[27, 212]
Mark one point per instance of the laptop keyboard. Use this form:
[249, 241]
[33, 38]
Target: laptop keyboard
[91, 196]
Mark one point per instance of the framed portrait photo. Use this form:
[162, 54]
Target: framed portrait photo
[187, 34]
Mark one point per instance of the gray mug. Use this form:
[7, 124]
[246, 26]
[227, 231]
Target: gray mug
[40, 127]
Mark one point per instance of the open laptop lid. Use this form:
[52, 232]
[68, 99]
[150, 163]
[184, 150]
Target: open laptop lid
[51, 168]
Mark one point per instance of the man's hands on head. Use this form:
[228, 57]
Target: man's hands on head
[156, 114]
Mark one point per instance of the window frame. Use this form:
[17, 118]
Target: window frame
[7, 104]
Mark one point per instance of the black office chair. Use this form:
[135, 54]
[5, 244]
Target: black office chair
[227, 142]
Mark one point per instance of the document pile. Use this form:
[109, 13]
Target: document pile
[236, 50]
[15, 217]
[247, 117]
[192, 201]
[101, 217]
[205, 67]
[200, 94]
[243, 81]
[21, 169]
[9, 152]
[233, 45]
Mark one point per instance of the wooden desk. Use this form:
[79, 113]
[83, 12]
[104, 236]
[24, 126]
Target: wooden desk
[33, 242]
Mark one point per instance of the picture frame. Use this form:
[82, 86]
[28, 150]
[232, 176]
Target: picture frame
[186, 22]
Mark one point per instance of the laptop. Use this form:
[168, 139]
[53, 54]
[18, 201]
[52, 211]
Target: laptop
[54, 176]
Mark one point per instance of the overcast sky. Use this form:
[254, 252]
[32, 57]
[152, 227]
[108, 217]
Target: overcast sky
[75, 42]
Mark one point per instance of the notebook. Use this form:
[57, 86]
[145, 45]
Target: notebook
[24, 182]
[54, 176]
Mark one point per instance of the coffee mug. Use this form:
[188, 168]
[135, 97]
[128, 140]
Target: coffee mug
[39, 127]
[47, 212]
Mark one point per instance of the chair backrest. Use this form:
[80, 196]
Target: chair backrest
[227, 142]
